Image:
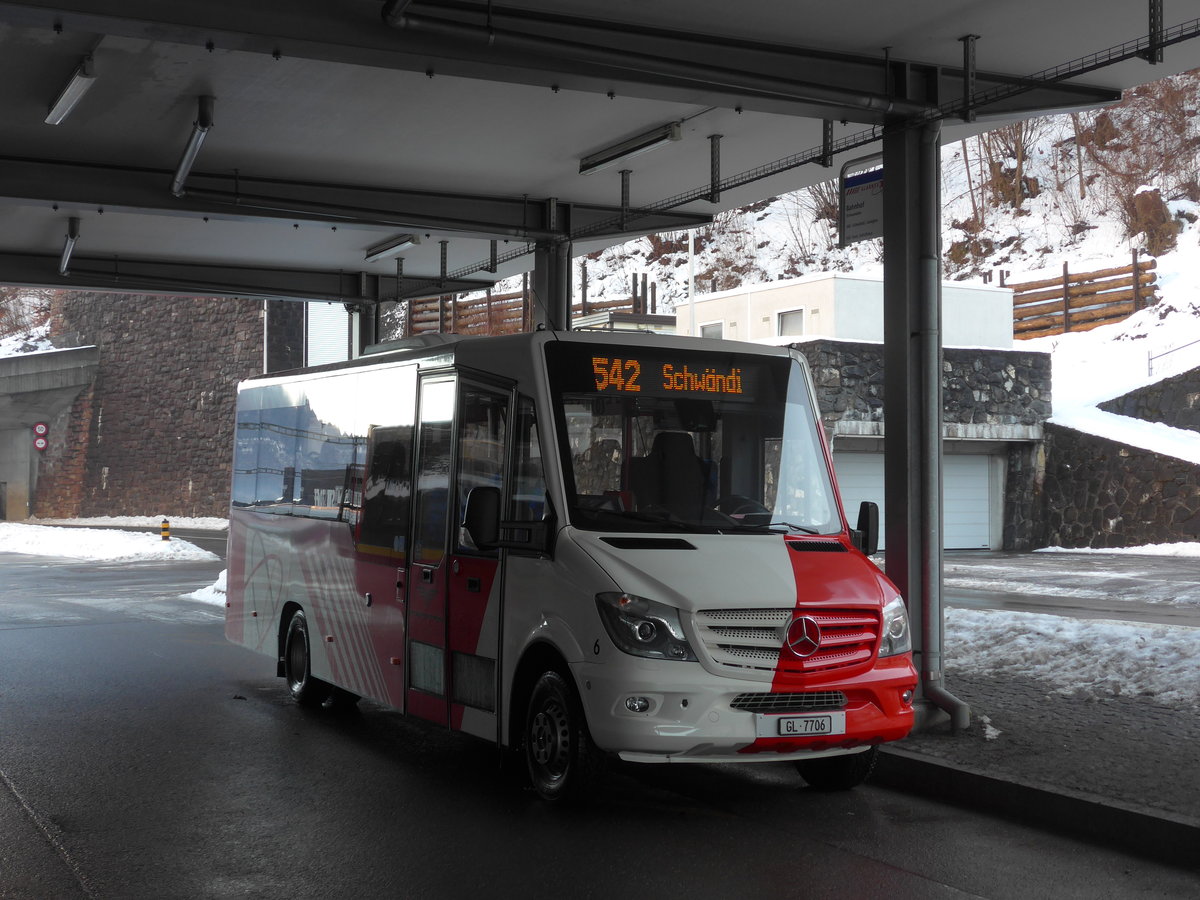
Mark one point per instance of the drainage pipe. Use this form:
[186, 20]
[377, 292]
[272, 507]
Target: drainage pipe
[930, 416]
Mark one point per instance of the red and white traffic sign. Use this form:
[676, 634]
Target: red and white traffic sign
[41, 429]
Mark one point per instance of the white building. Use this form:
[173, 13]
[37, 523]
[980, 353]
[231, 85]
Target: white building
[845, 307]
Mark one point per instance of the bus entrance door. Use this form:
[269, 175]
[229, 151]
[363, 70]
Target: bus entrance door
[474, 596]
[427, 563]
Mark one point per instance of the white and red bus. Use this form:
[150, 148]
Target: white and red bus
[575, 545]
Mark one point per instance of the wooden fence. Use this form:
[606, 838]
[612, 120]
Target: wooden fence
[1084, 300]
[509, 313]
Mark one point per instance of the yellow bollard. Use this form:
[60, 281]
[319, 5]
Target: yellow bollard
[166, 530]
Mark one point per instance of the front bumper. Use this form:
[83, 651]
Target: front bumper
[691, 717]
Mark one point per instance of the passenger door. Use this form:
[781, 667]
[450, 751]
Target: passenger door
[474, 600]
[452, 585]
[426, 579]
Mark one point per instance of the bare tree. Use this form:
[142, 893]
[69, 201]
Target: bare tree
[24, 308]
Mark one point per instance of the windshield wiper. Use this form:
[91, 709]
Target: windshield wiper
[801, 528]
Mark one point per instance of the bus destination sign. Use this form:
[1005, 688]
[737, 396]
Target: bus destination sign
[630, 374]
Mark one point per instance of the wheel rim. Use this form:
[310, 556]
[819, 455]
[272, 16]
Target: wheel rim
[550, 741]
[297, 659]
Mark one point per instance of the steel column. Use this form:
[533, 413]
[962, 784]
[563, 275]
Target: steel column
[913, 402]
[552, 285]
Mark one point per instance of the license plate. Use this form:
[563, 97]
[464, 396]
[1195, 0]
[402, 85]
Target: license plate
[814, 725]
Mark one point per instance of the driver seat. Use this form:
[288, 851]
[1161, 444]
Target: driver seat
[671, 476]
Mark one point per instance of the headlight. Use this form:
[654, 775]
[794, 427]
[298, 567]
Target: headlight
[644, 627]
[897, 638]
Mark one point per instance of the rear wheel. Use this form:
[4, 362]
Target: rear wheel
[838, 773]
[297, 665]
[559, 754]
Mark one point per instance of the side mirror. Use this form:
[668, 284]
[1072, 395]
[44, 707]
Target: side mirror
[482, 517]
[866, 533]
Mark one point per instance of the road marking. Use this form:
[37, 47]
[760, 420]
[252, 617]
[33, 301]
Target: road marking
[50, 837]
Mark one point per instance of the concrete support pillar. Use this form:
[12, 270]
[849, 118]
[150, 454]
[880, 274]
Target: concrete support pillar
[913, 401]
[552, 285]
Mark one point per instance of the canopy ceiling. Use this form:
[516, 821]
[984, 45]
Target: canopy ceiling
[337, 125]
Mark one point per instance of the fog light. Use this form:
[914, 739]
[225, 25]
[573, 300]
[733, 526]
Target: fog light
[637, 704]
[907, 697]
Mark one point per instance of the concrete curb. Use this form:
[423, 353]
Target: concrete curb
[1158, 835]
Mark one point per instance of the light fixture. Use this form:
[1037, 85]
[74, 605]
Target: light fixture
[609, 156]
[64, 261]
[81, 82]
[391, 247]
[204, 121]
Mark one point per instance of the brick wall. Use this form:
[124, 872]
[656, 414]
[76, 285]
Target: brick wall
[153, 436]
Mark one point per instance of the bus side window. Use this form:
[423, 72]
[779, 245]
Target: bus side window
[388, 487]
[529, 481]
[433, 475]
[483, 420]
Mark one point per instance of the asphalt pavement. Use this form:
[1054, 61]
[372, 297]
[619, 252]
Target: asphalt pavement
[143, 756]
[1122, 771]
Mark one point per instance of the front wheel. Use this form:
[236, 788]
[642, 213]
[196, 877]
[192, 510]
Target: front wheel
[297, 665]
[560, 757]
[838, 773]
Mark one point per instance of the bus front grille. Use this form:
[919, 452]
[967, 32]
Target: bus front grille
[752, 640]
[790, 703]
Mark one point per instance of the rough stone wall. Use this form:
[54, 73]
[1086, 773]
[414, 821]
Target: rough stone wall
[1098, 493]
[62, 466]
[1173, 401]
[1024, 506]
[154, 437]
[979, 387]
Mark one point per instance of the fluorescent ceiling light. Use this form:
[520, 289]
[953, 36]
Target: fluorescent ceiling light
[391, 247]
[81, 82]
[204, 121]
[64, 261]
[610, 156]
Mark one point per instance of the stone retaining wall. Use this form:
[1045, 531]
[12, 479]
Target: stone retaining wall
[1098, 493]
[979, 387]
[153, 436]
[1174, 401]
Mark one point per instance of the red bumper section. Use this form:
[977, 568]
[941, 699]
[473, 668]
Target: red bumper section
[876, 712]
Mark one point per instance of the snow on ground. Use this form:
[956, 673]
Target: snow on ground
[198, 523]
[1088, 659]
[95, 544]
[214, 593]
[32, 341]
[1183, 548]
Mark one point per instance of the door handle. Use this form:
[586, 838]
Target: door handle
[427, 576]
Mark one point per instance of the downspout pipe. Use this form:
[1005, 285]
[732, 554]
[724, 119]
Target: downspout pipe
[930, 329]
[396, 15]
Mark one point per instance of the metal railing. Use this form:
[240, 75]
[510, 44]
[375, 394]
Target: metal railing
[1151, 357]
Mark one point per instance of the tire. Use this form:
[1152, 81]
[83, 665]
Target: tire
[297, 665]
[838, 773]
[560, 758]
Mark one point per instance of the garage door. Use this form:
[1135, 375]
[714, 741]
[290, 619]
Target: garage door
[966, 496]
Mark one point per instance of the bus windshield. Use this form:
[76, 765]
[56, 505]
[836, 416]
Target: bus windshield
[701, 441]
